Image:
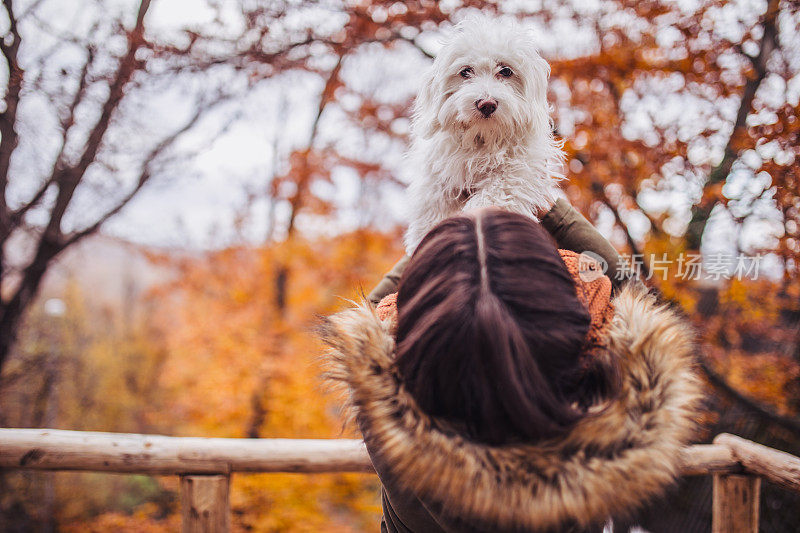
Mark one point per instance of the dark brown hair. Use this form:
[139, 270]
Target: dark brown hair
[490, 329]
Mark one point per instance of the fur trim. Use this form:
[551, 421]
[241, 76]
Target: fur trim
[622, 454]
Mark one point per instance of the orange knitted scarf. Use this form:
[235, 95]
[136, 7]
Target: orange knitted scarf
[592, 287]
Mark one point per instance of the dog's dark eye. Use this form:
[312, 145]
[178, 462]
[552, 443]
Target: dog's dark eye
[466, 72]
[506, 72]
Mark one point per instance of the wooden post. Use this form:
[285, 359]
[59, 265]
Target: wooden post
[205, 507]
[736, 503]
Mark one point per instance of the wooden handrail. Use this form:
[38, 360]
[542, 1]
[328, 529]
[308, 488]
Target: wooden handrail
[773, 465]
[205, 466]
[57, 449]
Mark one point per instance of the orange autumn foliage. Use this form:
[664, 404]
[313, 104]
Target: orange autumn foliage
[230, 348]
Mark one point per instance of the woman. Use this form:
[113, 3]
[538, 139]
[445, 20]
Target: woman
[507, 392]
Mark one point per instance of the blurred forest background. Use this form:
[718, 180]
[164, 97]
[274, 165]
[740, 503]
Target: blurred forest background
[185, 185]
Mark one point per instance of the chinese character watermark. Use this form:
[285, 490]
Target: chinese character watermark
[686, 266]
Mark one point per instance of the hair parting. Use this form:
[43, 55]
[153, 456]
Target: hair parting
[490, 330]
[481, 253]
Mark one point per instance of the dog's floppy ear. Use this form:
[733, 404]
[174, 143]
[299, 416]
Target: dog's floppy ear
[536, 73]
[536, 69]
[426, 107]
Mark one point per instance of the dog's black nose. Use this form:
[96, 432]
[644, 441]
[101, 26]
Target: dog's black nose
[486, 106]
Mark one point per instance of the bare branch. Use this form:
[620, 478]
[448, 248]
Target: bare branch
[240, 59]
[702, 211]
[69, 177]
[296, 201]
[8, 118]
[146, 172]
[286, 58]
[66, 123]
[51, 241]
[327, 96]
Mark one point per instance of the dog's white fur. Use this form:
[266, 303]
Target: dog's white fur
[460, 159]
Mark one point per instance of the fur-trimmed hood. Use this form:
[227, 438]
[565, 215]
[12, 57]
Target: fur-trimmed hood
[623, 453]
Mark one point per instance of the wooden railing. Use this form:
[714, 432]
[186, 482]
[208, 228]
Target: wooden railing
[206, 464]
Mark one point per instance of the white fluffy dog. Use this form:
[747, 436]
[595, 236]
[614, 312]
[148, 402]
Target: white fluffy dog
[481, 129]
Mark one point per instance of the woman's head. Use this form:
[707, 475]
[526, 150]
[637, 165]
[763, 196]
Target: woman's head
[490, 328]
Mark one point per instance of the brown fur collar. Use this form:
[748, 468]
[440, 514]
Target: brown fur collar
[622, 454]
